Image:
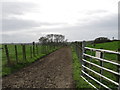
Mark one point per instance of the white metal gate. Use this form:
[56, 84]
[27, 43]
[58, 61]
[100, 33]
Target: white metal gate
[87, 64]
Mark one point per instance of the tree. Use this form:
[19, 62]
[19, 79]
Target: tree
[101, 40]
[52, 38]
[43, 40]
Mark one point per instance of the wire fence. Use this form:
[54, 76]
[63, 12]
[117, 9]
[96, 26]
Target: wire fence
[18, 55]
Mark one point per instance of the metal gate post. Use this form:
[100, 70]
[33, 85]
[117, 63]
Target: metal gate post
[83, 57]
[119, 69]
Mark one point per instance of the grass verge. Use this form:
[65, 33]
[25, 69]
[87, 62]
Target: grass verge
[79, 81]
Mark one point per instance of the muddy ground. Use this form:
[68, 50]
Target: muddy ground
[52, 71]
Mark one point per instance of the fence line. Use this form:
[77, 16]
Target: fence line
[26, 51]
[81, 48]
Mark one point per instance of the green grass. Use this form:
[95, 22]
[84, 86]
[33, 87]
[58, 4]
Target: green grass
[14, 66]
[108, 46]
[79, 82]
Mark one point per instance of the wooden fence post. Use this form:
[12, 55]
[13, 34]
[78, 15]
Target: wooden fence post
[16, 54]
[43, 49]
[24, 52]
[34, 49]
[37, 48]
[7, 55]
[101, 64]
[83, 57]
[31, 51]
[80, 52]
[76, 49]
[53, 46]
[47, 48]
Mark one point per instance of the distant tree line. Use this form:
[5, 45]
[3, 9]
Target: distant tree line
[101, 40]
[97, 40]
[52, 38]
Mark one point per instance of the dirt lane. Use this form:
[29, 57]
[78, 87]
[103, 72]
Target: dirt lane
[53, 71]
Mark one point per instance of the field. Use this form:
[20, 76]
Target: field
[113, 46]
[63, 55]
[15, 64]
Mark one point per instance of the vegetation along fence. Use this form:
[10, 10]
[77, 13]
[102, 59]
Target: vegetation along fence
[96, 69]
[15, 56]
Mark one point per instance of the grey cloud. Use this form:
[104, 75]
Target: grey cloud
[24, 37]
[50, 24]
[17, 24]
[103, 24]
[15, 38]
[15, 8]
[18, 8]
[110, 22]
[96, 12]
[106, 26]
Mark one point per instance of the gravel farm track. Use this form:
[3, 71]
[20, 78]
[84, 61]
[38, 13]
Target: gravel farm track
[52, 71]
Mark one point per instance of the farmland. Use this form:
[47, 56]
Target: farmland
[61, 58]
[108, 45]
[39, 52]
[52, 71]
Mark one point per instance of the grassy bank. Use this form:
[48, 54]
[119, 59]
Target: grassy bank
[79, 81]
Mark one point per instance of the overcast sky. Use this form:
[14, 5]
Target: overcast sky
[27, 20]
